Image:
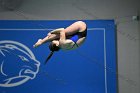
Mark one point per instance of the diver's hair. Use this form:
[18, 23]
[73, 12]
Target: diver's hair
[50, 55]
[52, 48]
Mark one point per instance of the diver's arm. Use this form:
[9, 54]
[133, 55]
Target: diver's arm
[50, 36]
[57, 31]
[64, 43]
[62, 37]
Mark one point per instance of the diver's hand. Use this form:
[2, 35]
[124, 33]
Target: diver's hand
[38, 43]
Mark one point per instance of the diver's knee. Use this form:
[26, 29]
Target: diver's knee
[81, 23]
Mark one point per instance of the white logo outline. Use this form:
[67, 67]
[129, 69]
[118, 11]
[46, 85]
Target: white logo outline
[27, 52]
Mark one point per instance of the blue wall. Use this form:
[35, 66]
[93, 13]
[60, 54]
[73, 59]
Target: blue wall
[89, 69]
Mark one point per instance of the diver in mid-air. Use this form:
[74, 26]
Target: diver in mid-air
[66, 39]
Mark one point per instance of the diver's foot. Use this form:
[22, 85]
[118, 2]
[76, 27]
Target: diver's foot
[38, 43]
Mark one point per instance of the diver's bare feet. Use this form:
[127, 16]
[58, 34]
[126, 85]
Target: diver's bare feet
[38, 43]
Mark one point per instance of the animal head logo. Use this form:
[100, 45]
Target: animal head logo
[17, 64]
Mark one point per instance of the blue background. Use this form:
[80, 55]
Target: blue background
[76, 71]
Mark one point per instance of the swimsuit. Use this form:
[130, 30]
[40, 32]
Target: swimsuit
[78, 35]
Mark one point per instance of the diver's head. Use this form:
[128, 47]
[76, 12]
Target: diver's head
[54, 45]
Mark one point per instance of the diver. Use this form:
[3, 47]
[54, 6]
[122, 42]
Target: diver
[66, 39]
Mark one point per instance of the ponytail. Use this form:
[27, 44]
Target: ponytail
[52, 48]
[50, 55]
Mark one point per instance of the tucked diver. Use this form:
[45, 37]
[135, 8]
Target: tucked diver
[66, 39]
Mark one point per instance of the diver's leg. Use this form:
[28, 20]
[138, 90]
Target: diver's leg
[78, 26]
[48, 38]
